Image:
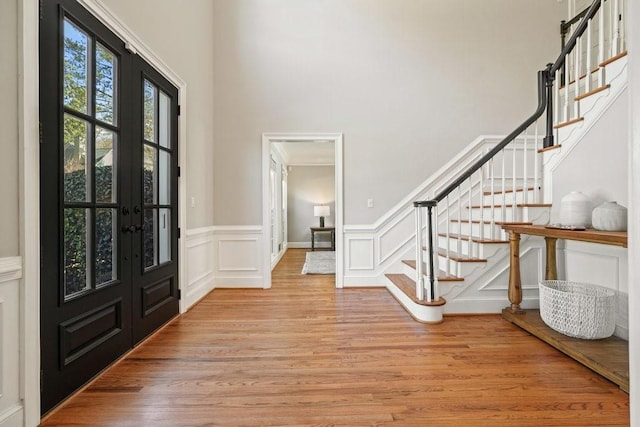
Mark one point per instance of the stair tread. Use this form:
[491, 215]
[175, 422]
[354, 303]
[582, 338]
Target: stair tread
[553, 147]
[408, 287]
[477, 221]
[460, 258]
[568, 123]
[473, 239]
[442, 275]
[592, 92]
[518, 205]
[509, 190]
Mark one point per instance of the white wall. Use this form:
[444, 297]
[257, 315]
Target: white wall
[181, 37]
[9, 125]
[310, 186]
[597, 166]
[633, 16]
[408, 82]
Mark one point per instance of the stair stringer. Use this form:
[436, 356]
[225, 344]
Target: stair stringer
[485, 289]
[592, 108]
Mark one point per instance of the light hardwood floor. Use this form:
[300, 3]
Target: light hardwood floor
[306, 354]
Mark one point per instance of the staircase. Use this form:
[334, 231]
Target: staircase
[459, 238]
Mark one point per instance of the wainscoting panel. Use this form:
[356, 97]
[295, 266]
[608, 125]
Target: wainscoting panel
[199, 261]
[238, 257]
[601, 265]
[361, 266]
[395, 238]
[11, 409]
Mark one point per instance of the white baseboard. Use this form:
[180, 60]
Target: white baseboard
[12, 416]
[230, 282]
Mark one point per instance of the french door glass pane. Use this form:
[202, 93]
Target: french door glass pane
[164, 178]
[150, 174]
[150, 93]
[106, 68]
[76, 68]
[76, 246]
[164, 236]
[164, 121]
[106, 168]
[106, 245]
[149, 243]
[76, 169]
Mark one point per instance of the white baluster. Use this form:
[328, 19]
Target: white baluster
[567, 81]
[556, 98]
[503, 207]
[436, 292]
[587, 83]
[601, 47]
[482, 202]
[448, 233]
[525, 159]
[536, 177]
[615, 44]
[514, 183]
[493, 197]
[419, 240]
[470, 216]
[577, 66]
[459, 241]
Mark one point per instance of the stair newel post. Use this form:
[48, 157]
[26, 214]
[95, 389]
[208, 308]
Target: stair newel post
[419, 245]
[432, 230]
[545, 77]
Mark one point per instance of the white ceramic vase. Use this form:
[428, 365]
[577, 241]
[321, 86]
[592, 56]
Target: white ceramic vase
[609, 216]
[575, 210]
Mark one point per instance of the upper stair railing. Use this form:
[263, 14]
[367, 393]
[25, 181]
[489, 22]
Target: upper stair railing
[507, 178]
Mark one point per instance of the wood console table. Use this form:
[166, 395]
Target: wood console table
[315, 230]
[609, 357]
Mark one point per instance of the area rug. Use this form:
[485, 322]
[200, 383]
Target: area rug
[321, 262]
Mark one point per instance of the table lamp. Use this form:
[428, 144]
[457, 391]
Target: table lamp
[321, 211]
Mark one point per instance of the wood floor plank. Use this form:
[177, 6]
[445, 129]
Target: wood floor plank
[307, 354]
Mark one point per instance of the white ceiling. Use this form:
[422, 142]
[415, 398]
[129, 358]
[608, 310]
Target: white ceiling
[306, 152]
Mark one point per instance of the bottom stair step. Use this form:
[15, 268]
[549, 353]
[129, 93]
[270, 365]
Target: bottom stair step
[408, 287]
[442, 275]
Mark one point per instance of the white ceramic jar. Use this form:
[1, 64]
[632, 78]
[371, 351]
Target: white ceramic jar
[575, 210]
[609, 216]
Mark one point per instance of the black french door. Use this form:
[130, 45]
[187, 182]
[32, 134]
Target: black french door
[108, 180]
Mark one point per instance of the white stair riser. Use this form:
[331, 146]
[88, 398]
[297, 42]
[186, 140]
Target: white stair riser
[534, 214]
[491, 232]
[458, 269]
[477, 250]
[507, 198]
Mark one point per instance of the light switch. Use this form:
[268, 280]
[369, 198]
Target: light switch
[369, 203]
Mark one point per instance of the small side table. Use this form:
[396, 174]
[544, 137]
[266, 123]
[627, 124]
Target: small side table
[315, 230]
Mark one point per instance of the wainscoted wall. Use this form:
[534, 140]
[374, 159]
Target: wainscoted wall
[238, 257]
[199, 265]
[601, 265]
[11, 409]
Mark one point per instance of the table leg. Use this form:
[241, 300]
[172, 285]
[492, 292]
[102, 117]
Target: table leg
[551, 272]
[515, 283]
[313, 245]
[333, 240]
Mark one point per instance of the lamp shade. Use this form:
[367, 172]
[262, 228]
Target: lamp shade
[321, 211]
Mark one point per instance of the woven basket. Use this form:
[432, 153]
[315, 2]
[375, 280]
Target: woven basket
[579, 310]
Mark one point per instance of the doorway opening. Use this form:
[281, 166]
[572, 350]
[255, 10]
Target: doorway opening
[278, 149]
